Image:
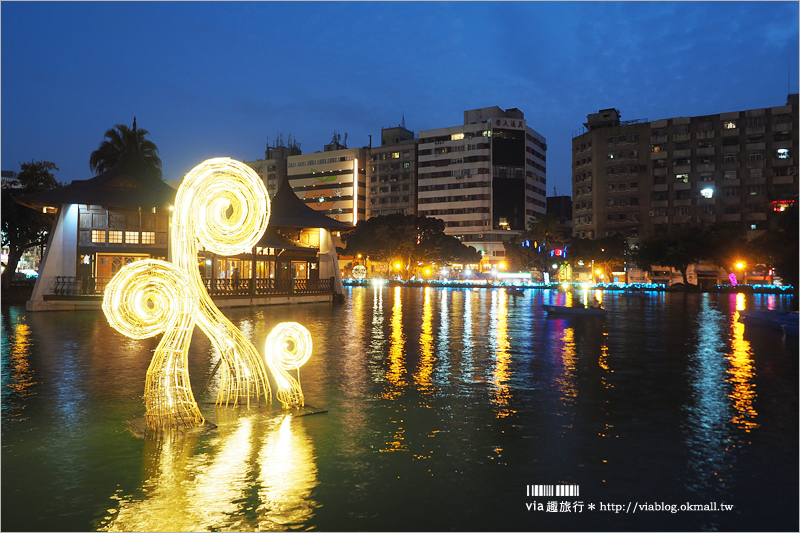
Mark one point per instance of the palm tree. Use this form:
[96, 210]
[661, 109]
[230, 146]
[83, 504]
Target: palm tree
[117, 139]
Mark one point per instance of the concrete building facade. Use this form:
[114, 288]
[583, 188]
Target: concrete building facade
[486, 179]
[273, 168]
[392, 174]
[333, 181]
[630, 176]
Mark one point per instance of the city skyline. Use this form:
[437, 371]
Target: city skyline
[223, 79]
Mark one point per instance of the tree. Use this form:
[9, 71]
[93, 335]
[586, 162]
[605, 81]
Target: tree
[778, 246]
[530, 250]
[23, 227]
[677, 249]
[117, 141]
[408, 239]
[727, 247]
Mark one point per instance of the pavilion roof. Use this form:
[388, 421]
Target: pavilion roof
[289, 210]
[273, 239]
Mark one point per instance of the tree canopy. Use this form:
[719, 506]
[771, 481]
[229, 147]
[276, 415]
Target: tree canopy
[530, 250]
[408, 239]
[23, 227]
[677, 248]
[117, 140]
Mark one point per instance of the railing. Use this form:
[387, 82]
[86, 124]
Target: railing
[74, 287]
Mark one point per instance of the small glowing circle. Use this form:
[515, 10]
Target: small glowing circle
[359, 272]
[289, 343]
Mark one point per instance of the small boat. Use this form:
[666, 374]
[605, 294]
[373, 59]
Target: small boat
[574, 311]
[634, 292]
[770, 319]
[515, 291]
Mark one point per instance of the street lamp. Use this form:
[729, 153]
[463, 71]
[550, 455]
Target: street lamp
[741, 265]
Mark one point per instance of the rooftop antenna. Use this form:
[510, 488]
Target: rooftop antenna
[403, 121]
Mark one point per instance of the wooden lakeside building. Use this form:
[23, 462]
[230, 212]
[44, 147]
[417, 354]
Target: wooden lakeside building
[123, 215]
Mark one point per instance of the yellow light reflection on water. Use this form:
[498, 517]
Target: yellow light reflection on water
[426, 358]
[251, 475]
[21, 372]
[396, 372]
[566, 381]
[742, 373]
[740, 303]
[500, 392]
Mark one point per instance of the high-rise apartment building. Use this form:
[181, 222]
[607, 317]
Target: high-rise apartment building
[273, 168]
[333, 181]
[486, 178]
[392, 174]
[629, 176]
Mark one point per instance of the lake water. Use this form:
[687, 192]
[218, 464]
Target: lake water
[447, 409]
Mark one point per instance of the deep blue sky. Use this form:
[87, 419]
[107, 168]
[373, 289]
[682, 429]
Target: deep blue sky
[218, 79]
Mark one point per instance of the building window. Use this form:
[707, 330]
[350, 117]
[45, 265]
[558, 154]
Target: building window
[682, 178]
[682, 211]
[729, 175]
[131, 237]
[756, 190]
[115, 237]
[730, 158]
[656, 148]
[755, 121]
[729, 124]
[706, 177]
[148, 237]
[755, 156]
[707, 192]
[782, 153]
[98, 236]
[706, 209]
[730, 191]
[756, 172]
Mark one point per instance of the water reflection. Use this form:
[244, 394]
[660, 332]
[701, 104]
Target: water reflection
[17, 373]
[500, 393]
[741, 374]
[395, 375]
[708, 408]
[426, 357]
[249, 473]
[722, 402]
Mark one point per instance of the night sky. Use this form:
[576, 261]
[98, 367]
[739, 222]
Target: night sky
[211, 79]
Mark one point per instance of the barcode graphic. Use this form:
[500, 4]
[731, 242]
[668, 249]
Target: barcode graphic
[553, 490]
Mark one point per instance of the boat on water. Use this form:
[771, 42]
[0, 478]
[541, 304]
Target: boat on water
[515, 291]
[634, 293]
[573, 311]
[783, 321]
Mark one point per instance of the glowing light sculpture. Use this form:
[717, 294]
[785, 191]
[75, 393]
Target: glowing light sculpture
[144, 299]
[288, 347]
[359, 272]
[223, 205]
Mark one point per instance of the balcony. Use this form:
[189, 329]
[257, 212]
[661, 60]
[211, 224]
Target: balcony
[785, 162]
[681, 186]
[782, 180]
[706, 151]
[681, 169]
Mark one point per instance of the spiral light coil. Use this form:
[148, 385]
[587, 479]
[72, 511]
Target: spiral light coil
[288, 347]
[146, 298]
